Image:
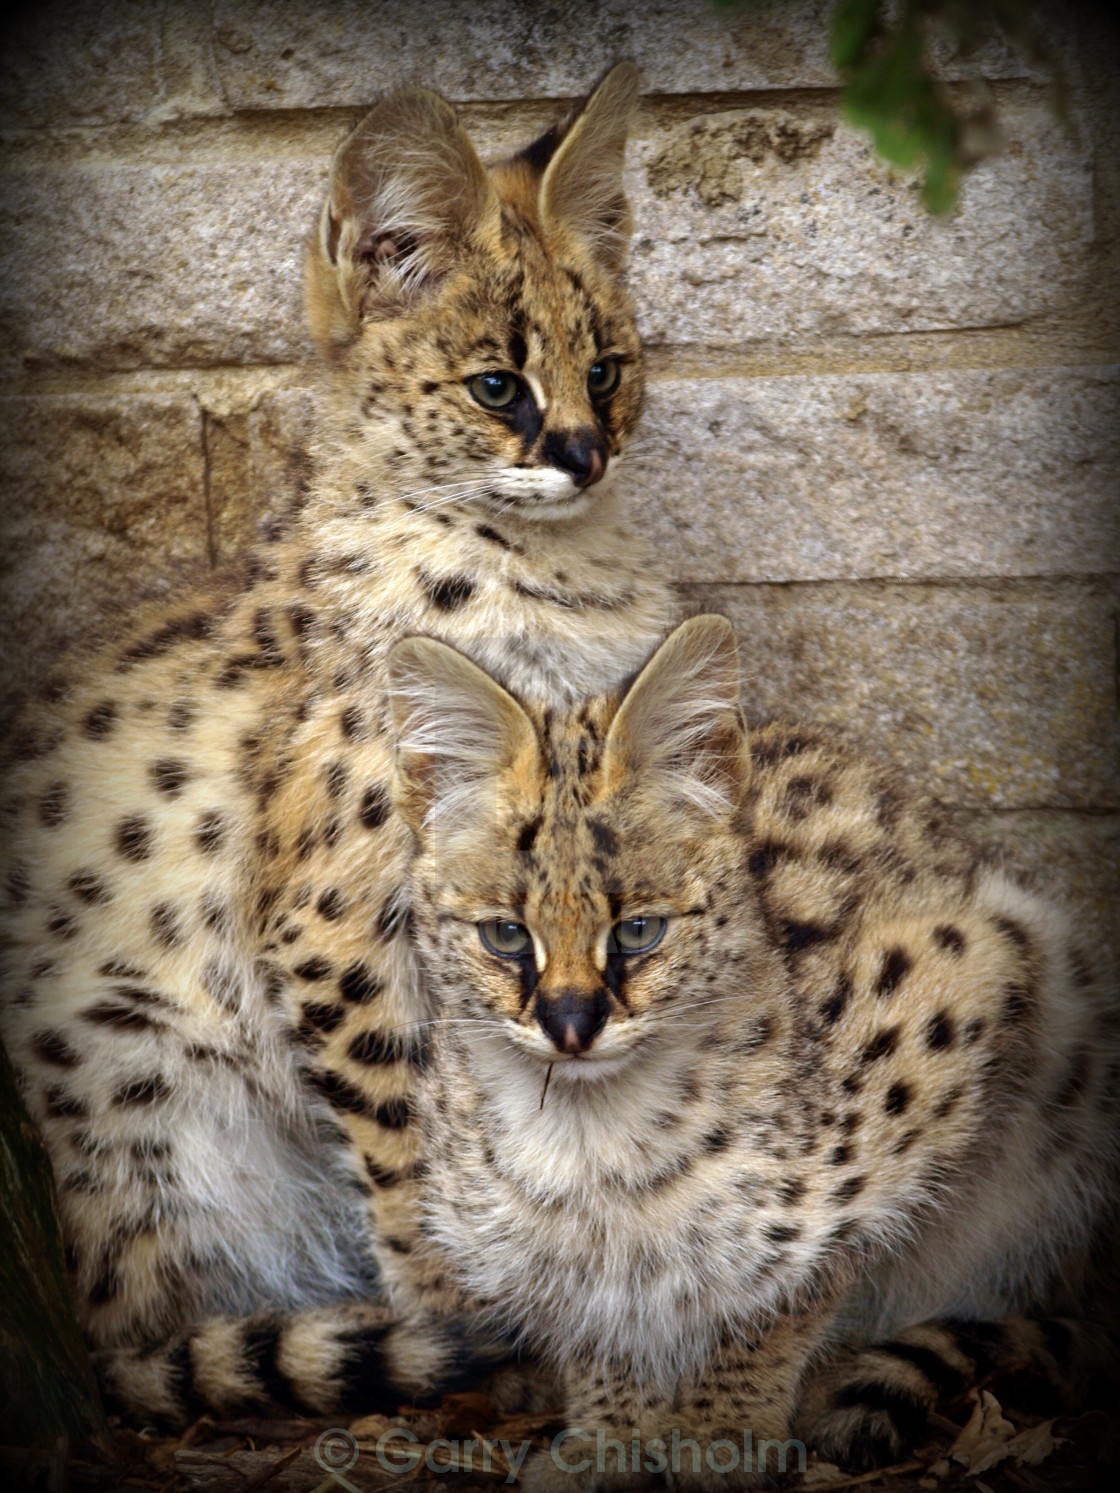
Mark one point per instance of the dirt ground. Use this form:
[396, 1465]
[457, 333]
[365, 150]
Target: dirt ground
[980, 1442]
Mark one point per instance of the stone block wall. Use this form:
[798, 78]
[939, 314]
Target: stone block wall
[887, 447]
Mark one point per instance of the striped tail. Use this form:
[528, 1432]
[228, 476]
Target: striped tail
[348, 1359]
[866, 1407]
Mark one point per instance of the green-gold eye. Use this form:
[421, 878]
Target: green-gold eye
[494, 391]
[636, 935]
[603, 379]
[503, 937]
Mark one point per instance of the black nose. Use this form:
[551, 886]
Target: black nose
[578, 452]
[572, 1020]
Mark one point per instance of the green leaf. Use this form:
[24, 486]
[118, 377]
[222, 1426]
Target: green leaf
[854, 25]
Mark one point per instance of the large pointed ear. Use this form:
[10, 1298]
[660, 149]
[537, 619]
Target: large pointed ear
[458, 733]
[679, 731]
[406, 190]
[582, 185]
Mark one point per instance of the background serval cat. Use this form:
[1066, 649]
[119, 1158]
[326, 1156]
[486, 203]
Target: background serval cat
[211, 1002]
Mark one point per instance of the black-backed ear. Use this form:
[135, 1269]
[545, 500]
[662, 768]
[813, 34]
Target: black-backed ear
[581, 188]
[457, 733]
[679, 731]
[406, 191]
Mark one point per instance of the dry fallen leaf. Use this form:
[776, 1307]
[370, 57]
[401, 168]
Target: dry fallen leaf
[822, 1475]
[370, 1427]
[983, 1442]
[1035, 1444]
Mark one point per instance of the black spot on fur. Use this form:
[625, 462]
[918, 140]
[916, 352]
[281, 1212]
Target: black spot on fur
[782, 1233]
[394, 1114]
[54, 805]
[605, 838]
[336, 774]
[100, 720]
[209, 832]
[180, 630]
[833, 1008]
[375, 806]
[803, 794]
[840, 1155]
[895, 967]
[331, 904]
[949, 938]
[62, 1105]
[169, 776]
[373, 1048]
[796, 937]
[138, 1092]
[940, 1031]
[105, 1287]
[52, 1048]
[898, 1099]
[717, 1140]
[881, 1045]
[1015, 933]
[180, 716]
[17, 885]
[88, 888]
[314, 969]
[446, 593]
[350, 722]
[484, 531]
[848, 1190]
[840, 857]
[340, 1094]
[320, 1016]
[766, 857]
[165, 925]
[133, 838]
[528, 834]
[790, 1193]
[119, 1015]
[61, 923]
[359, 985]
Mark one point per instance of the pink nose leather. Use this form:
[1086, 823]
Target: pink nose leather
[595, 470]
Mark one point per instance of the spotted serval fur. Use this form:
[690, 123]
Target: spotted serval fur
[761, 1102]
[210, 998]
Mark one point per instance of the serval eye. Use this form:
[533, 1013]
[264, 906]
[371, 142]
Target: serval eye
[507, 939]
[494, 391]
[636, 935]
[603, 379]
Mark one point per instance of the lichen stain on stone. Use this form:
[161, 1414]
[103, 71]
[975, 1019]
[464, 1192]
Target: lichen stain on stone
[708, 155]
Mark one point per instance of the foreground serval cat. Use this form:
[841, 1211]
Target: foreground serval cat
[752, 1073]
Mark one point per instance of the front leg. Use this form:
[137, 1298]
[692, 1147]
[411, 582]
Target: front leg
[729, 1426]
